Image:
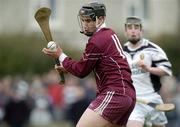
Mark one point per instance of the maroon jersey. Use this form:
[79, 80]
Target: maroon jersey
[104, 55]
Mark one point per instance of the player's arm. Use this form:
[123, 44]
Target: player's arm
[85, 65]
[153, 70]
[79, 68]
[161, 65]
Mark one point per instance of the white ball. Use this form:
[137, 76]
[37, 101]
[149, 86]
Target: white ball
[52, 46]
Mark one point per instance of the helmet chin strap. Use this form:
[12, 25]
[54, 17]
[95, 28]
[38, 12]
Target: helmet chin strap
[89, 34]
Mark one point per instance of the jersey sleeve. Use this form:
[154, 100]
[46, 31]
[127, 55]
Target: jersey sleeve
[159, 59]
[86, 64]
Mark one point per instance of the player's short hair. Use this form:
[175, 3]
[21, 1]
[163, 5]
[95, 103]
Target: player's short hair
[93, 10]
[133, 20]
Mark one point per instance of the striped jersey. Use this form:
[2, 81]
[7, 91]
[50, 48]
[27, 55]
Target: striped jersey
[104, 56]
[144, 82]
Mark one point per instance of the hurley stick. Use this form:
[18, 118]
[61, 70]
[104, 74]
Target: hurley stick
[42, 17]
[159, 107]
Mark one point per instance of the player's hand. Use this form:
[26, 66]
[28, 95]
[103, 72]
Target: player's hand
[54, 54]
[141, 64]
[60, 69]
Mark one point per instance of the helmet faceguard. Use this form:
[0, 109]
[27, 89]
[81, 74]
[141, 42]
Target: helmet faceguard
[92, 10]
[133, 20]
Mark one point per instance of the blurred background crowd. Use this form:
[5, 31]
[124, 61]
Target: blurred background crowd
[41, 101]
[30, 95]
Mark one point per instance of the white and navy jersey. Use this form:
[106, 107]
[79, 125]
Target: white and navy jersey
[144, 82]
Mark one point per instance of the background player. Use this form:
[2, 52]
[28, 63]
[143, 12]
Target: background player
[104, 56]
[148, 62]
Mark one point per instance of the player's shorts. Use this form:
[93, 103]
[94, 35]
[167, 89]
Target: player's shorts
[146, 114]
[113, 107]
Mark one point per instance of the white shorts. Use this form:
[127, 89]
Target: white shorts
[144, 113]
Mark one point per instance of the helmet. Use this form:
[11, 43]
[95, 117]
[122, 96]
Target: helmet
[93, 10]
[133, 20]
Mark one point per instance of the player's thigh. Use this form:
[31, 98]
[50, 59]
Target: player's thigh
[134, 123]
[139, 113]
[90, 118]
